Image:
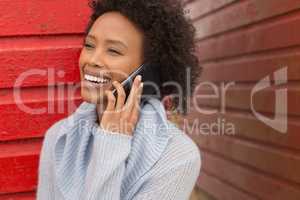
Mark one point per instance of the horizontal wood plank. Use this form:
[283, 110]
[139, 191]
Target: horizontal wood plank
[249, 180]
[246, 126]
[252, 39]
[252, 68]
[241, 14]
[19, 196]
[39, 62]
[283, 164]
[198, 8]
[244, 97]
[18, 165]
[32, 17]
[220, 189]
[36, 110]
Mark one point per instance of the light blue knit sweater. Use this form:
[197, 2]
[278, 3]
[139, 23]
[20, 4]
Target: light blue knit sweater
[81, 161]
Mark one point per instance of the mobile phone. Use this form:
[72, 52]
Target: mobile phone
[150, 77]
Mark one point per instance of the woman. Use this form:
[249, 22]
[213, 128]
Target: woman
[116, 147]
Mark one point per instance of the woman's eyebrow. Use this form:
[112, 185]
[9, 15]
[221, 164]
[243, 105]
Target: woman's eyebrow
[91, 36]
[111, 41]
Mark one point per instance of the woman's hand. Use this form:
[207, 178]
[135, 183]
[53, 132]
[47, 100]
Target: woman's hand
[119, 117]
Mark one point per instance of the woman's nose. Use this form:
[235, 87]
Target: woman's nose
[96, 60]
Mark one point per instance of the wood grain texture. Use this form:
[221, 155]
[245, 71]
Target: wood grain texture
[249, 180]
[246, 127]
[39, 83]
[19, 196]
[33, 61]
[18, 165]
[239, 44]
[220, 189]
[240, 14]
[240, 96]
[252, 39]
[67, 17]
[199, 8]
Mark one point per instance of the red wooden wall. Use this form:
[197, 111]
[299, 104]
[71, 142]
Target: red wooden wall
[238, 40]
[244, 41]
[44, 36]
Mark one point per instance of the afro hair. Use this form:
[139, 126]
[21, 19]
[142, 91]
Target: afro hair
[169, 41]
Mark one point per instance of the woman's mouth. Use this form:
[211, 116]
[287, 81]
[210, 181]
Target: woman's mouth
[96, 81]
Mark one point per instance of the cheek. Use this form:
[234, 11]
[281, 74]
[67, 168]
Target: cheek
[121, 72]
[81, 62]
[123, 69]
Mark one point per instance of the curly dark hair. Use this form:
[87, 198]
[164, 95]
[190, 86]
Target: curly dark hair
[169, 39]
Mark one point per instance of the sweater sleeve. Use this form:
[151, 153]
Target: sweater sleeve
[106, 169]
[174, 184]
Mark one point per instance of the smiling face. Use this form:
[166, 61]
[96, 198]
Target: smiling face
[112, 50]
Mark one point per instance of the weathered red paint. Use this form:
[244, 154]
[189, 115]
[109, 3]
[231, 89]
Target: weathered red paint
[243, 42]
[44, 38]
[18, 165]
[33, 17]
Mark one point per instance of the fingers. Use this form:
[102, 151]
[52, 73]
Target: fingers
[121, 95]
[126, 119]
[132, 96]
[117, 104]
[111, 100]
[136, 107]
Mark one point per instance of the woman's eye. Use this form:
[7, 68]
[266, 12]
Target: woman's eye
[88, 45]
[114, 51]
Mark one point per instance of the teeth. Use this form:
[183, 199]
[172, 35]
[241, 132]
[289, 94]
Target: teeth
[95, 79]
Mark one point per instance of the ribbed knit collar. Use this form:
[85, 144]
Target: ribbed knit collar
[149, 141]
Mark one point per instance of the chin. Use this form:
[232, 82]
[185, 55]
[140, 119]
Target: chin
[92, 97]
